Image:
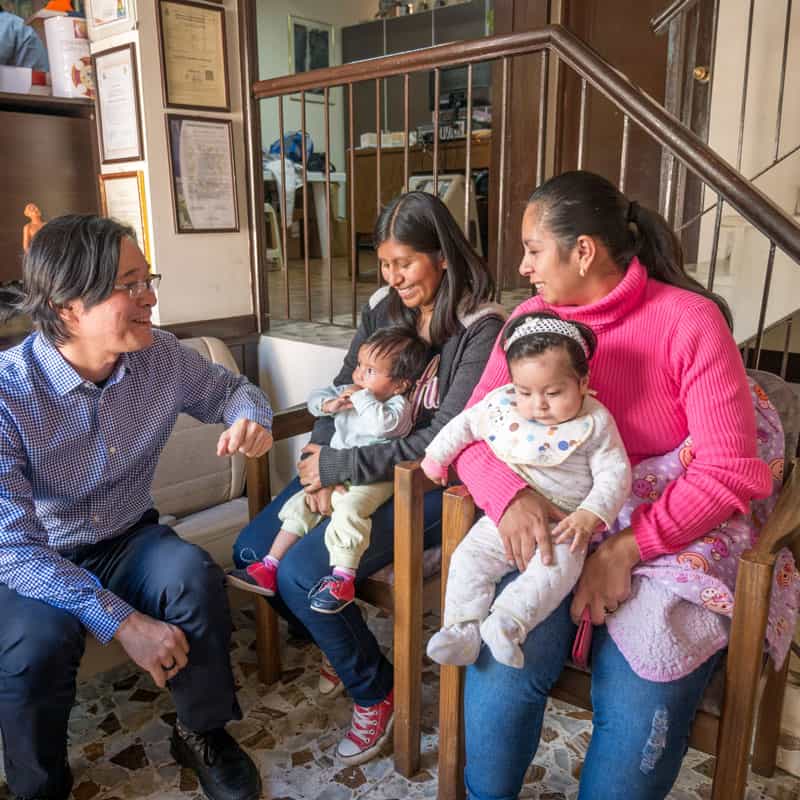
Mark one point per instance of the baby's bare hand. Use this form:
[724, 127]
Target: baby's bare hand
[578, 527]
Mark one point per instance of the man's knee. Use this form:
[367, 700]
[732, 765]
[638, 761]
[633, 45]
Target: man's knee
[194, 574]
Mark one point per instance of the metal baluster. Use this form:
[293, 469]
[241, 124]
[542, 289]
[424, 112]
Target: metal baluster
[501, 205]
[623, 158]
[748, 47]
[783, 78]
[328, 214]
[284, 221]
[764, 300]
[304, 160]
[378, 148]
[405, 132]
[351, 180]
[468, 165]
[436, 89]
[540, 147]
[582, 125]
[712, 264]
[786, 345]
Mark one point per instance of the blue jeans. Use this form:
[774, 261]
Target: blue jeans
[344, 637]
[641, 728]
[41, 646]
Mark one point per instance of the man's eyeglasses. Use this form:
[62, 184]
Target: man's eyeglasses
[138, 288]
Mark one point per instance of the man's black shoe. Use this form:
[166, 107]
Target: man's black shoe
[224, 770]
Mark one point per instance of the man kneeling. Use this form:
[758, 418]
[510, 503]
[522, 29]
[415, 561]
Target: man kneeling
[87, 402]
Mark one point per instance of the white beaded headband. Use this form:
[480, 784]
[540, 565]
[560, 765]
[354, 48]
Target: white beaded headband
[548, 325]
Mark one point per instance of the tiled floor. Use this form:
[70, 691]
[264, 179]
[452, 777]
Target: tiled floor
[119, 739]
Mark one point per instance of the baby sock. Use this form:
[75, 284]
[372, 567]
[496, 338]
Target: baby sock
[345, 573]
[271, 561]
[503, 635]
[457, 644]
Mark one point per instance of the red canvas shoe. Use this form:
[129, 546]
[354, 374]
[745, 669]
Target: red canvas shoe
[370, 729]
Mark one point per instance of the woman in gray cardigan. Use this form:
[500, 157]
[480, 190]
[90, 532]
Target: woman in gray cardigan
[438, 286]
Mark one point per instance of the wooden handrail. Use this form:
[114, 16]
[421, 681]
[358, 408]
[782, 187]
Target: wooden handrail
[749, 201]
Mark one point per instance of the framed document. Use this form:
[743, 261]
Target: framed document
[119, 123]
[193, 55]
[203, 178]
[108, 17]
[311, 46]
[122, 197]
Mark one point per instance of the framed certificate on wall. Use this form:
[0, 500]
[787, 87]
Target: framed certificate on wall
[193, 55]
[122, 197]
[202, 172]
[109, 17]
[119, 123]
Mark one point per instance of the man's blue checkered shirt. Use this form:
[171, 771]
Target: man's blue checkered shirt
[77, 460]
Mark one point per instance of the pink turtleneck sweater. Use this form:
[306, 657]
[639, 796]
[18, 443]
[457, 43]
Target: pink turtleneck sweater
[666, 367]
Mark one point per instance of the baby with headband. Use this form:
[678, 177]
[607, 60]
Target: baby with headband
[549, 429]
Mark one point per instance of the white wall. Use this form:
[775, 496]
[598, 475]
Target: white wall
[206, 276]
[287, 384]
[273, 58]
[742, 287]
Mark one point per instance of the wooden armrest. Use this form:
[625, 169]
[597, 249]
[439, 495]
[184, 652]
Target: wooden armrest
[292, 421]
[412, 467]
[782, 528]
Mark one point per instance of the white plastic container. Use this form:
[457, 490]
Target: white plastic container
[68, 52]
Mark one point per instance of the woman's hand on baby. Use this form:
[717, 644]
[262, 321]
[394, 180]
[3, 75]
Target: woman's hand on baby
[578, 526]
[308, 468]
[605, 582]
[525, 525]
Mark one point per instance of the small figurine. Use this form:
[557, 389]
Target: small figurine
[34, 214]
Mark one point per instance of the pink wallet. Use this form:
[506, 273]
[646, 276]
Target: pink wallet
[583, 640]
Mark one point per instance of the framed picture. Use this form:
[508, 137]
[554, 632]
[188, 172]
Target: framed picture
[311, 46]
[109, 17]
[194, 55]
[203, 178]
[122, 197]
[119, 123]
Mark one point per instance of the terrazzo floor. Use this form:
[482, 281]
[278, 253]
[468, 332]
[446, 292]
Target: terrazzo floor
[120, 728]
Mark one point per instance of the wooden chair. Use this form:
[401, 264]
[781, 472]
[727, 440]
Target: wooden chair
[404, 589]
[724, 723]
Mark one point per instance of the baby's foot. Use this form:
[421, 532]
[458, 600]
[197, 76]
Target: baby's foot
[503, 635]
[458, 644]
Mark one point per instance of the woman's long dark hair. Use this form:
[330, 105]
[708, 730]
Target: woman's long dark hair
[422, 222]
[581, 203]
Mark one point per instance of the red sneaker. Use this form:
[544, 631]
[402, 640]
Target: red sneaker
[259, 578]
[331, 594]
[330, 684]
[370, 729]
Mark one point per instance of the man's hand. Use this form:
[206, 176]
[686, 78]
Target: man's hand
[578, 526]
[246, 437]
[526, 525]
[605, 582]
[156, 646]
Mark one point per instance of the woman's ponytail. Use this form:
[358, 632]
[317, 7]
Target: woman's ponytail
[581, 203]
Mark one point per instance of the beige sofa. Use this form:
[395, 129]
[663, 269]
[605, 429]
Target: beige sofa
[197, 493]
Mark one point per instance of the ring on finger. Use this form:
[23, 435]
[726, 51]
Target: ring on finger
[169, 667]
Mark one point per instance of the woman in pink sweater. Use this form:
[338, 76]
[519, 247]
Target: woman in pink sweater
[667, 367]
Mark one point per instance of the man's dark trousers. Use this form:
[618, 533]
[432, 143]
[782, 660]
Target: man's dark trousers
[41, 646]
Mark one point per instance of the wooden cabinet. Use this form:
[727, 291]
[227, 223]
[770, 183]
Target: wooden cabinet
[49, 157]
[451, 23]
[452, 158]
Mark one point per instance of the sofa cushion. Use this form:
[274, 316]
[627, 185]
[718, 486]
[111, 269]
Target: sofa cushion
[215, 529]
[190, 477]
